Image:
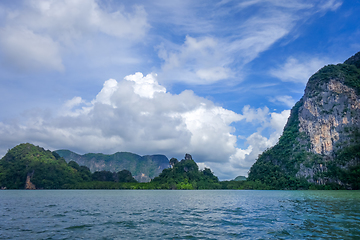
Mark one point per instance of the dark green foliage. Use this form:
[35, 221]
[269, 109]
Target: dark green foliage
[107, 176]
[125, 176]
[85, 173]
[349, 74]
[348, 155]
[104, 176]
[274, 177]
[354, 60]
[74, 165]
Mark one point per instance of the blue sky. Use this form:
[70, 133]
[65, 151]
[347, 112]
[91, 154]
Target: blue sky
[215, 79]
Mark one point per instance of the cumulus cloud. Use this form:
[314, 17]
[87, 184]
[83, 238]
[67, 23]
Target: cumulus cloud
[33, 37]
[137, 114]
[294, 70]
[145, 86]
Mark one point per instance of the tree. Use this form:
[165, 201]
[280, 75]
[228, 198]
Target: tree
[173, 161]
[125, 176]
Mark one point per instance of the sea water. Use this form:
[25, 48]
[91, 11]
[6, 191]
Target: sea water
[166, 214]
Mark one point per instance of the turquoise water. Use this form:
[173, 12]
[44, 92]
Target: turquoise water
[164, 214]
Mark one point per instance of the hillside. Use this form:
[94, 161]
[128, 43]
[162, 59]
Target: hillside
[321, 140]
[31, 167]
[143, 168]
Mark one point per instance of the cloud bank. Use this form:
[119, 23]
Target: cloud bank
[139, 115]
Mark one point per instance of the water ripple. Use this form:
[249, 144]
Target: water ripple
[111, 214]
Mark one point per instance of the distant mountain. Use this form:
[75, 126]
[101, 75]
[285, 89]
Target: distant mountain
[240, 178]
[321, 141]
[143, 168]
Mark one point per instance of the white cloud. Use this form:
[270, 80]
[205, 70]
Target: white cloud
[28, 51]
[278, 121]
[279, 3]
[199, 61]
[243, 159]
[138, 115]
[255, 115]
[33, 37]
[206, 60]
[261, 31]
[104, 96]
[67, 19]
[285, 100]
[294, 70]
[331, 5]
[145, 86]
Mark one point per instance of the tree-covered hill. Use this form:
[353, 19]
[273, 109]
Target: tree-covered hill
[186, 175]
[33, 166]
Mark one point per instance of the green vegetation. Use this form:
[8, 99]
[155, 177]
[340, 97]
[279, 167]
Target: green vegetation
[350, 74]
[185, 175]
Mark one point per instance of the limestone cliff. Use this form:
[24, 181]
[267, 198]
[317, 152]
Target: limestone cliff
[321, 141]
[143, 168]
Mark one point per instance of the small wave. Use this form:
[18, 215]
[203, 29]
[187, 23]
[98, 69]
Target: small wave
[59, 215]
[126, 224]
[51, 205]
[79, 226]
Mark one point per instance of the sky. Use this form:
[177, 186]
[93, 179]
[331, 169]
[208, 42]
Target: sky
[215, 79]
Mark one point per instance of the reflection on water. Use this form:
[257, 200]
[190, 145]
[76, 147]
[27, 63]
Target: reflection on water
[218, 214]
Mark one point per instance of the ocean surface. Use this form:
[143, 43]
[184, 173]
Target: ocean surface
[166, 214]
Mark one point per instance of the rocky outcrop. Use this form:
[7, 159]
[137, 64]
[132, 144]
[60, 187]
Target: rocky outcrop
[321, 140]
[327, 114]
[28, 184]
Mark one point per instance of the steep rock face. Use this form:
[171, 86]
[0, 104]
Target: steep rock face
[326, 115]
[143, 168]
[321, 140]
